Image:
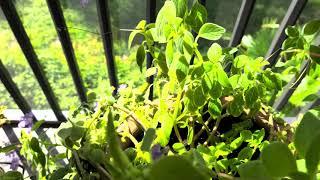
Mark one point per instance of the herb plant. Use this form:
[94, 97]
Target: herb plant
[203, 123]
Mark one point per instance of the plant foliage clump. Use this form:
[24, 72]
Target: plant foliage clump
[204, 123]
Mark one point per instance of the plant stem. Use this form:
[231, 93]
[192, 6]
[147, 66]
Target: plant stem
[78, 163]
[132, 115]
[175, 115]
[204, 127]
[301, 75]
[101, 170]
[215, 128]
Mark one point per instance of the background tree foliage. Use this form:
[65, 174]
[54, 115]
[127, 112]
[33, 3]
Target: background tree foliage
[83, 27]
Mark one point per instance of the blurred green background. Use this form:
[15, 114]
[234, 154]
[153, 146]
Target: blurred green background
[125, 14]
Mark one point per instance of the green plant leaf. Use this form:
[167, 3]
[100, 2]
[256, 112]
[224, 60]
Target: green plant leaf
[34, 145]
[189, 101]
[206, 83]
[301, 165]
[307, 128]
[245, 153]
[253, 170]
[141, 26]
[251, 96]
[161, 61]
[311, 27]
[257, 137]
[315, 53]
[198, 162]
[151, 71]
[222, 77]
[12, 175]
[148, 139]
[77, 133]
[164, 21]
[215, 108]
[211, 31]
[175, 167]
[197, 72]
[235, 107]
[91, 96]
[222, 149]
[63, 133]
[59, 173]
[140, 57]
[188, 43]
[169, 52]
[181, 69]
[241, 61]
[97, 156]
[131, 153]
[222, 165]
[214, 52]
[181, 7]
[235, 144]
[163, 134]
[246, 135]
[8, 148]
[190, 134]
[216, 90]
[37, 125]
[299, 176]
[313, 155]
[289, 43]
[179, 148]
[199, 98]
[120, 158]
[292, 31]
[278, 159]
[42, 159]
[131, 37]
[209, 81]
[197, 16]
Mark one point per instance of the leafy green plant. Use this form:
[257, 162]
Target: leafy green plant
[203, 123]
[277, 160]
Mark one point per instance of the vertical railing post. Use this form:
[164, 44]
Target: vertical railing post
[289, 19]
[150, 18]
[22, 104]
[241, 22]
[290, 88]
[14, 140]
[19, 32]
[106, 33]
[62, 31]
